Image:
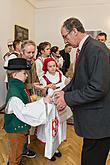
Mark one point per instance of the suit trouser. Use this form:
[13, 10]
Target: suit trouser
[16, 143]
[95, 151]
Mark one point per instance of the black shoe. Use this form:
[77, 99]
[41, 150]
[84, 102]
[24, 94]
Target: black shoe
[21, 163]
[29, 154]
[53, 158]
[58, 154]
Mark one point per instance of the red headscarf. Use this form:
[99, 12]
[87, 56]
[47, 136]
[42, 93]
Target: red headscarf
[46, 63]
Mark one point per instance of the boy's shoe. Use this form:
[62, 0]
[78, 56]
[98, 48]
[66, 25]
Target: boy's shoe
[57, 154]
[29, 154]
[21, 163]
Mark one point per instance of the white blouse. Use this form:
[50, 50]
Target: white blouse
[39, 65]
[53, 79]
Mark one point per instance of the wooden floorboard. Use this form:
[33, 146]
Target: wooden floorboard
[71, 150]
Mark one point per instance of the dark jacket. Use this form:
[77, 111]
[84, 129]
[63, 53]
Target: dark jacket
[88, 94]
[11, 123]
[66, 63]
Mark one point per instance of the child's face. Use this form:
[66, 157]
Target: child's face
[20, 75]
[46, 51]
[51, 67]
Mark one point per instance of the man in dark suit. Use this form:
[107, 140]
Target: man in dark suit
[88, 93]
[65, 53]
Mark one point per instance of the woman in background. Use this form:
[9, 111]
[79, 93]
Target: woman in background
[42, 54]
[55, 53]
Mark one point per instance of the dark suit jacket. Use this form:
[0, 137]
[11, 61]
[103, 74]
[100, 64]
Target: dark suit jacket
[66, 63]
[88, 94]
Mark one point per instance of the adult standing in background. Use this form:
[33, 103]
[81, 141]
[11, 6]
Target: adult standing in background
[28, 49]
[102, 37]
[88, 93]
[65, 53]
[17, 47]
[16, 53]
[10, 49]
[55, 54]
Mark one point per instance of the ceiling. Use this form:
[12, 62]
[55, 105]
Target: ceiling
[40, 4]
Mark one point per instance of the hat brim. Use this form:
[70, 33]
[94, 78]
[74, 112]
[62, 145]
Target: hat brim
[17, 67]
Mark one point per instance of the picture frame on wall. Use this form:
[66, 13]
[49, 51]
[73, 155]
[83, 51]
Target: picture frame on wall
[21, 33]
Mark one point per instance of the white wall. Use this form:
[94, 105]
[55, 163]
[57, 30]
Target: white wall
[50, 14]
[13, 12]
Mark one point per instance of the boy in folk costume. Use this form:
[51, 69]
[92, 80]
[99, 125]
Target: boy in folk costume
[55, 80]
[19, 113]
[27, 49]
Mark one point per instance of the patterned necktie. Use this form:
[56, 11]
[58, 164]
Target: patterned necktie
[77, 55]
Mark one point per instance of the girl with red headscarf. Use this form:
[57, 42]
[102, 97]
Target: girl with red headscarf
[52, 77]
[55, 80]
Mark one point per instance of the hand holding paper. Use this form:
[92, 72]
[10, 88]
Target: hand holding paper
[59, 100]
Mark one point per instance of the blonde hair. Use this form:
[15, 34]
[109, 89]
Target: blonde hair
[11, 72]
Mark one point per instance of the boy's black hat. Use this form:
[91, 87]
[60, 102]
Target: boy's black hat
[18, 64]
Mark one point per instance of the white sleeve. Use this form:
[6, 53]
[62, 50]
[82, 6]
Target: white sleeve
[61, 61]
[12, 56]
[39, 70]
[33, 113]
[61, 85]
[43, 82]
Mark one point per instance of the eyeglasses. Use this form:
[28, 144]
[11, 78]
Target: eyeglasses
[65, 36]
[10, 45]
[31, 52]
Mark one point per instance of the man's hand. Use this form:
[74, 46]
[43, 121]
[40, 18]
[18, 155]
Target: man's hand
[59, 100]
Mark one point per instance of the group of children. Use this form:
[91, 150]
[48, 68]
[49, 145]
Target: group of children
[20, 115]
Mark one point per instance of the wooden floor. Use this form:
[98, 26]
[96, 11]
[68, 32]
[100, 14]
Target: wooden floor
[71, 150]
